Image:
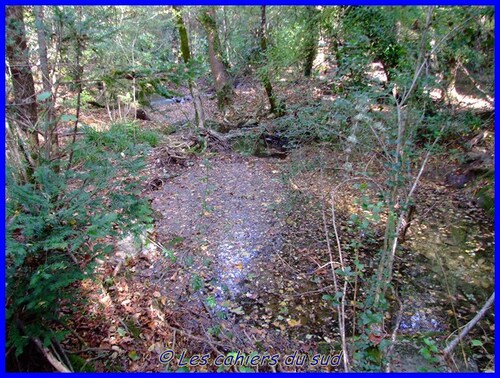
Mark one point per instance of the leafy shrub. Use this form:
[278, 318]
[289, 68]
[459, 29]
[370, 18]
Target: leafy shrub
[58, 225]
[306, 124]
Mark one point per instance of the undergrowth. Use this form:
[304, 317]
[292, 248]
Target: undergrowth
[58, 225]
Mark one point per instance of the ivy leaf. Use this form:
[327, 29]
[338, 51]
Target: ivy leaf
[358, 265]
[211, 301]
[133, 355]
[43, 96]
[327, 297]
[426, 353]
[68, 118]
[197, 283]
[476, 343]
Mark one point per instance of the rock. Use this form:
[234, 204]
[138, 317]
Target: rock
[477, 154]
[141, 114]
[458, 180]
[251, 122]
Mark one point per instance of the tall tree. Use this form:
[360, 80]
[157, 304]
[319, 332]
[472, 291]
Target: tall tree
[78, 33]
[379, 25]
[186, 56]
[276, 106]
[50, 134]
[311, 38]
[222, 83]
[18, 57]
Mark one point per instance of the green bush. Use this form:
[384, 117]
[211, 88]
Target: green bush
[58, 225]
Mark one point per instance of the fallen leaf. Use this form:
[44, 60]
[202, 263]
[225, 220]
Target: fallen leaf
[294, 323]
[375, 339]
[238, 311]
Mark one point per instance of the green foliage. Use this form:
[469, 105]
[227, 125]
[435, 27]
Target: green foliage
[473, 45]
[486, 198]
[378, 25]
[367, 357]
[303, 125]
[246, 145]
[72, 102]
[122, 137]
[196, 283]
[59, 224]
[429, 350]
[240, 41]
[80, 365]
[332, 122]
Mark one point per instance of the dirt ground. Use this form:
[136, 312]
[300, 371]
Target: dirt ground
[237, 257]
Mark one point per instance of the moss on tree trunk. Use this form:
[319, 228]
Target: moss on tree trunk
[221, 78]
[186, 57]
[311, 39]
[277, 107]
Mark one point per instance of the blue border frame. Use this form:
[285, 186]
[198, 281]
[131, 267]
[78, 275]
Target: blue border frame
[254, 3]
[228, 3]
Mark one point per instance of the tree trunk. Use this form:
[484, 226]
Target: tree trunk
[186, 57]
[226, 37]
[222, 83]
[79, 47]
[25, 108]
[311, 39]
[50, 132]
[14, 147]
[277, 107]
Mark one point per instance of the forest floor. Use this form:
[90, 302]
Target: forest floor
[238, 257]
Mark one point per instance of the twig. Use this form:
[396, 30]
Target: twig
[54, 345]
[344, 291]
[217, 351]
[388, 368]
[88, 360]
[118, 268]
[340, 308]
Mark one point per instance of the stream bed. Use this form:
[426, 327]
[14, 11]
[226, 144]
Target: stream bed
[238, 276]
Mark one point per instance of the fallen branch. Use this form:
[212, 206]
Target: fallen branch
[56, 364]
[469, 326]
[476, 84]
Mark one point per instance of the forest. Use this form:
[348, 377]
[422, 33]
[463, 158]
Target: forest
[249, 189]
